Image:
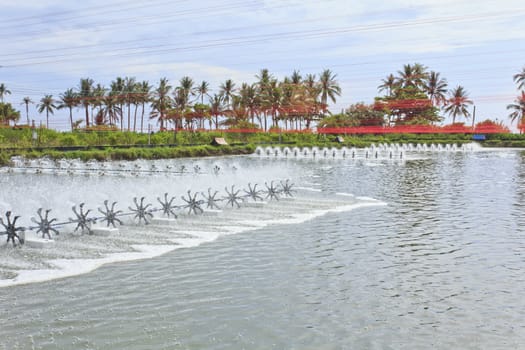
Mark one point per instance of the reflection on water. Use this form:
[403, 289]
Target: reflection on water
[440, 267]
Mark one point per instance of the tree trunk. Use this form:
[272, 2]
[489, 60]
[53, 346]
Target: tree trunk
[87, 115]
[142, 120]
[71, 117]
[135, 118]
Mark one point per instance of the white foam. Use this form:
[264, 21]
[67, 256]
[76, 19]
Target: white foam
[74, 267]
[345, 194]
[309, 189]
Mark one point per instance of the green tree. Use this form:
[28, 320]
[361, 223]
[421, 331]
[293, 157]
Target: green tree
[85, 94]
[143, 91]
[518, 110]
[436, 88]
[161, 101]
[129, 98]
[457, 103]
[8, 113]
[69, 100]
[47, 104]
[26, 101]
[520, 79]
[3, 92]
[328, 86]
[202, 90]
[227, 90]
[216, 108]
[388, 84]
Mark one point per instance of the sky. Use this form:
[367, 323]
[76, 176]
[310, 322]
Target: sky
[47, 46]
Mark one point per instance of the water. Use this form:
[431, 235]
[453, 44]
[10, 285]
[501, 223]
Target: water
[439, 267]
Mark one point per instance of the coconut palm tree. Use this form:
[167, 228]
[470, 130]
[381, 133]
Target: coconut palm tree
[143, 90]
[412, 76]
[3, 92]
[328, 86]
[520, 79]
[457, 103]
[26, 101]
[129, 89]
[202, 90]
[161, 101]
[388, 84]
[110, 110]
[518, 110]
[68, 99]
[216, 108]
[8, 113]
[47, 104]
[117, 87]
[85, 94]
[436, 88]
[227, 90]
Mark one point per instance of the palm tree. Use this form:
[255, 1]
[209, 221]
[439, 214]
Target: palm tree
[457, 103]
[436, 88]
[129, 89]
[97, 98]
[110, 110]
[388, 84]
[117, 87]
[520, 79]
[412, 76]
[26, 101]
[216, 108]
[47, 104]
[8, 114]
[202, 90]
[86, 94]
[144, 90]
[518, 110]
[3, 91]
[161, 101]
[328, 86]
[296, 78]
[69, 99]
[227, 90]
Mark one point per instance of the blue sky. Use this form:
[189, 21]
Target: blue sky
[47, 46]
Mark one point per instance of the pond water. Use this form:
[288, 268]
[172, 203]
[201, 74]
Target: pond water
[424, 252]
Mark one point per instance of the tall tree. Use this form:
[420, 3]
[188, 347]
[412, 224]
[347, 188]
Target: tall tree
[202, 90]
[3, 92]
[129, 90]
[436, 88]
[216, 108]
[518, 111]
[47, 104]
[520, 79]
[227, 90]
[412, 76]
[144, 90]
[117, 87]
[26, 101]
[161, 101]
[388, 84]
[328, 86]
[457, 103]
[69, 100]
[85, 94]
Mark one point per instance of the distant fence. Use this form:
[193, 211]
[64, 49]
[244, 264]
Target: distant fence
[416, 129]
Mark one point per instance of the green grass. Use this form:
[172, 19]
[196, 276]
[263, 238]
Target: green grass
[116, 145]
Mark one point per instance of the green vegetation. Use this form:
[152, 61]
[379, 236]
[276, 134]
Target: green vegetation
[114, 145]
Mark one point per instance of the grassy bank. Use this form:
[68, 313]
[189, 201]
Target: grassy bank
[106, 145]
